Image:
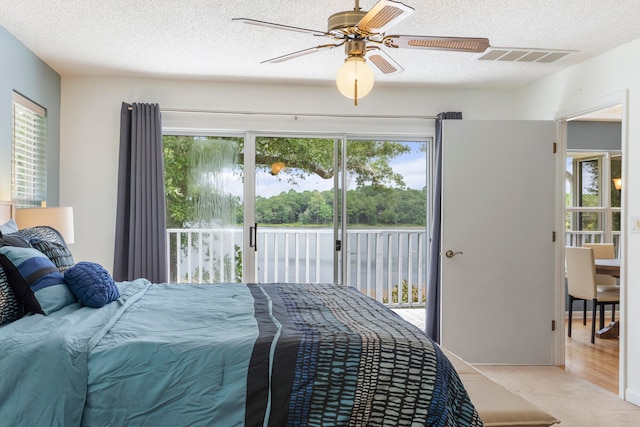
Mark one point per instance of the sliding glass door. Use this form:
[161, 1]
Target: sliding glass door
[386, 217]
[322, 209]
[296, 214]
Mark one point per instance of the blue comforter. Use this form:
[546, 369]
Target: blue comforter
[227, 355]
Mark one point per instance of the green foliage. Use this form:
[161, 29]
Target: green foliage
[404, 297]
[179, 186]
[367, 205]
[367, 161]
[176, 172]
[367, 164]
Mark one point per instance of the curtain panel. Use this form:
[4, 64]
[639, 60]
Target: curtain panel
[140, 241]
[432, 326]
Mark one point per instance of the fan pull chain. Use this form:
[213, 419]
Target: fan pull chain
[355, 92]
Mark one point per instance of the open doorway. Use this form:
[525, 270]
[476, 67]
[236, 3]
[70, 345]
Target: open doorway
[593, 214]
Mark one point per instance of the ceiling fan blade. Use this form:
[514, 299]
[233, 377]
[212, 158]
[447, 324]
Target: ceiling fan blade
[459, 44]
[300, 53]
[280, 26]
[385, 14]
[383, 62]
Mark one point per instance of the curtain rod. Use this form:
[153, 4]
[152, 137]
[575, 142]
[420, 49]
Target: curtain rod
[295, 115]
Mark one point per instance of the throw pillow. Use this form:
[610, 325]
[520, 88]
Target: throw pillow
[13, 240]
[10, 307]
[43, 232]
[35, 280]
[91, 284]
[9, 227]
[59, 254]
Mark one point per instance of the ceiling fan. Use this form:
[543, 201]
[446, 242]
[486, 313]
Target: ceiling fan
[363, 34]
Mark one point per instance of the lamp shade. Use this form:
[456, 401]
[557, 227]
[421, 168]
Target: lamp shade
[355, 78]
[59, 218]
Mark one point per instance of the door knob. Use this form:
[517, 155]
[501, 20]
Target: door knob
[451, 254]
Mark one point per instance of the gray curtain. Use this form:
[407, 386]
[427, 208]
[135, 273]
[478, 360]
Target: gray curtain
[433, 281]
[140, 246]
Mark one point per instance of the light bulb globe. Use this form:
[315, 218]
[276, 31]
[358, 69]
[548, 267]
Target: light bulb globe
[355, 72]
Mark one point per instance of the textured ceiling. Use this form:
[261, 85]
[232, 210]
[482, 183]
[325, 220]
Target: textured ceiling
[196, 39]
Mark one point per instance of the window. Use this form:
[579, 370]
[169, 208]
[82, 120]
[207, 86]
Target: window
[29, 153]
[593, 202]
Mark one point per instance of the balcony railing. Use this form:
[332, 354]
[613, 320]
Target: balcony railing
[386, 264]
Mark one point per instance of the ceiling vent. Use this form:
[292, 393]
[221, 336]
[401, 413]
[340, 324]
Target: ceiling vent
[508, 54]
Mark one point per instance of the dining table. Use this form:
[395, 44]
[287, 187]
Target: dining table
[608, 266]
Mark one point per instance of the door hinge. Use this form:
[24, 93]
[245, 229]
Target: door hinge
[555, 148]
[338, 245]
[553, 236]
[553, 325]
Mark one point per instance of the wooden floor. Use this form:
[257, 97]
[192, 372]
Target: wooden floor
[596, 363]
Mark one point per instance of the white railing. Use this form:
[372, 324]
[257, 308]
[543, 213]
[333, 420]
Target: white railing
[386, 264]
[578, 238]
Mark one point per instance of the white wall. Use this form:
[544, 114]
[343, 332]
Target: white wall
[90, 127]
[613, 75]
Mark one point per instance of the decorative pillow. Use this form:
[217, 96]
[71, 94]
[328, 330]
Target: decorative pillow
[13, 240]
[42, 232]
[9, 227]
[10, 307]
[59, 254]
[92, 284]
[35, 280]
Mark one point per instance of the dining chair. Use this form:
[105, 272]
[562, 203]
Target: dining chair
[582, 286]
[603, 251]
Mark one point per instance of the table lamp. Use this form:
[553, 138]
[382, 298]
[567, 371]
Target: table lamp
[59, 218]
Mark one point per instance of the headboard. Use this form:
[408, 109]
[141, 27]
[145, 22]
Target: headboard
[7, 211]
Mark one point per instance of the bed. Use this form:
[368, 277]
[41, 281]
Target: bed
[277, 354]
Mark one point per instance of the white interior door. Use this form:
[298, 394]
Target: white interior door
[498, 210]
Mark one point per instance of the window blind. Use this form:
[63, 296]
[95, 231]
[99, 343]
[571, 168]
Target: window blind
[29, 153]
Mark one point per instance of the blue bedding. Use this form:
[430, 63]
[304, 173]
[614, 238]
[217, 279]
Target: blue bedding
[227, 355]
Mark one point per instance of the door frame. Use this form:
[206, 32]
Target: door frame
[561, 117]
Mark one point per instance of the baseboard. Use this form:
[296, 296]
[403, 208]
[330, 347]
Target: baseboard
[577, 314]
[632, 396]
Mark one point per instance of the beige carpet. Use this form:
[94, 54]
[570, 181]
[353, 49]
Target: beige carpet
[574, 401]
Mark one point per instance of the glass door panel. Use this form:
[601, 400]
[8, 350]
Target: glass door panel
[204, 195]
[386, 215]
[294, 209]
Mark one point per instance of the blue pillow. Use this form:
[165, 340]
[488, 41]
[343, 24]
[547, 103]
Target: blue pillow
[9, 227]
[92, 284]
[35, 280]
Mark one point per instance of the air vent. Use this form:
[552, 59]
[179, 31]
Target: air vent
[507, 54]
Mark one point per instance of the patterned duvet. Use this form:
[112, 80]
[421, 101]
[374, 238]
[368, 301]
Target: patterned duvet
[228, 355]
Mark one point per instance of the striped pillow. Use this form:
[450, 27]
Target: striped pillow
[35, 280]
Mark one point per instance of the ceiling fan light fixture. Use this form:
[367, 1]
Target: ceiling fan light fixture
[355, 78]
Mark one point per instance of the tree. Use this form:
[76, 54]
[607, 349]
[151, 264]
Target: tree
[367, 164]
